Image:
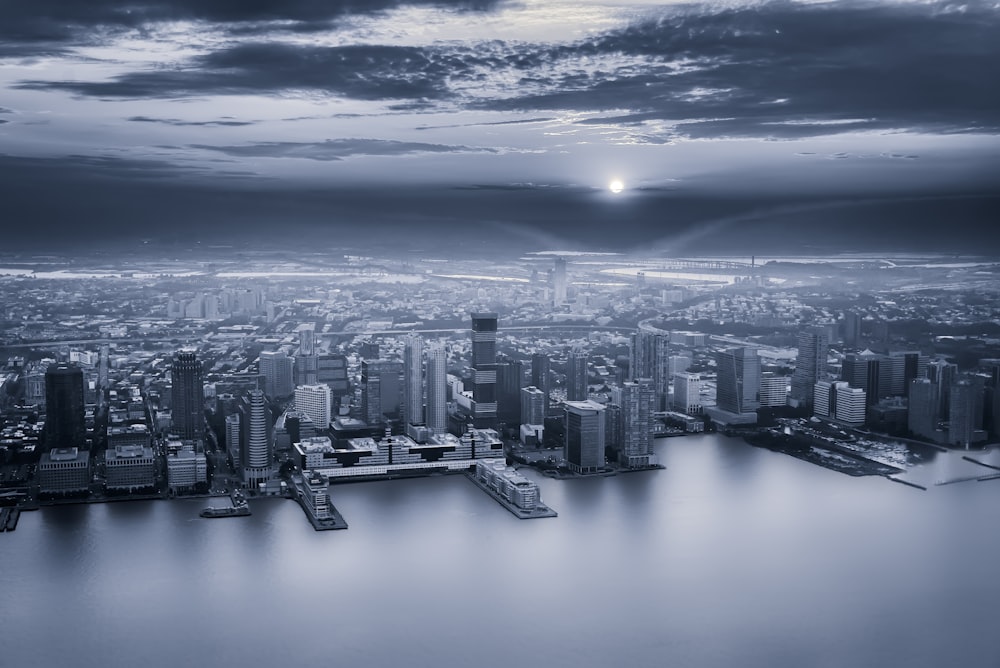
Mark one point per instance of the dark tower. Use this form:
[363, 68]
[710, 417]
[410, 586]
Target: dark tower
[64, 422]
[484, 370]
[187, 395]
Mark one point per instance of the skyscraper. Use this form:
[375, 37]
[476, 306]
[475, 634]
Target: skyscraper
[583, 447]
[256, 447]
[381, 391]
[559, 283]
[64, 420]
[635, 440]
[510, 380]
[306, 360]
[642, 354]
[484, 370]
[773, 389]
[852, 329]
[869, 372]
[738, 385]
[810, 366]
[187, 395]
[922, 413]
[576, 376]
[943, 374]
[437, 388]
[965, 419]
[316, 402]
[540, 375]
[533, 406]
[276, 367]
[905, 366]
[836, 400]
[413, 380]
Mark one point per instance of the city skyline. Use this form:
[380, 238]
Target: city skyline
[793, 126]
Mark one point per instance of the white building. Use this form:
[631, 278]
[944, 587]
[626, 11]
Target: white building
[687, 393]
[315, 401]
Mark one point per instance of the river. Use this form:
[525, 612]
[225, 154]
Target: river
[731, 556]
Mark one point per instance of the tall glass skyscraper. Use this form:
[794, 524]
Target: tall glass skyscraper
[187, 395]
[484, 370]
[810, 366]
[437, 388]
[413, 380]
[64, 420]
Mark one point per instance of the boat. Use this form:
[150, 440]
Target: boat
[232, 511]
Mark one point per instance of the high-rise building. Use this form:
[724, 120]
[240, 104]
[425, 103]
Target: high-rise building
[413, 380]
[738, 380]
[584, 443]
[965, 419]
[836, 400]
[559, 282]
[943, 374]
[233, 436]
[922, 413]
[635, 429]
[576, 376]
[869, 372]
[437, 388]
[810, 366]
[257, 446]
[904, 367]
[687, 393]
[533, 406]
[510, 380]
[316, 402]
[642, 355]
[306, 360]
[484, 370]
[64, 419]
[276, 367]
[187, 395]
[851, 329]
[773, 389]
[369, 349]
[381, 391]
[331, 369]
[540, 375]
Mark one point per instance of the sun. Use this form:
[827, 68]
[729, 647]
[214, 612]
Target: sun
[616, 186]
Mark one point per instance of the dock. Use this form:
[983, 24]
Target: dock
[906, 482]
[332, 520]
[540, 509]
[976, 461]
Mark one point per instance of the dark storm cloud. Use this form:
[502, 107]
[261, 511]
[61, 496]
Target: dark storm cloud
[76, 21]
[101, 167]
[225, 122]
[337, 149]
[369, 72]
[879, 65]
[738, 72]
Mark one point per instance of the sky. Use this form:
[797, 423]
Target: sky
[732, 126]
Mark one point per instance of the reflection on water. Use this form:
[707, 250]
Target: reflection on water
[731, 556]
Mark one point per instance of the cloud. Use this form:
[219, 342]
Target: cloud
[337, 149]
[75, 22]
[224, 122]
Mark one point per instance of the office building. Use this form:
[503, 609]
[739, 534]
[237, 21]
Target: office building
[540, 377]
[381, 391]
[315, 401]
[129, 468]
[851, 325]
[584, 442]
[331, 370]
[965, 419]
[837, 400]
[276, 367]
[437, 389]
[810, 366]
[413, 380]
[687, 393]
[484, 370]
[306, 359]
[256, 444]
[773, 389]
[576, 376]
[64, 471]
[738, 380]
[922, 413]
[186, 467]
[869, 372]
[635, 424]
[533, 407]
[904, 367]
[943, 374]
[559, 281]
[510, 381]
[65, 425]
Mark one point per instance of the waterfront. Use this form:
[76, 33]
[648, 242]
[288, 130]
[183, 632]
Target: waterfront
[731, 556]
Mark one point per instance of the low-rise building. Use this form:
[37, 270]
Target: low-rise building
[64, 471]
[129, 467]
